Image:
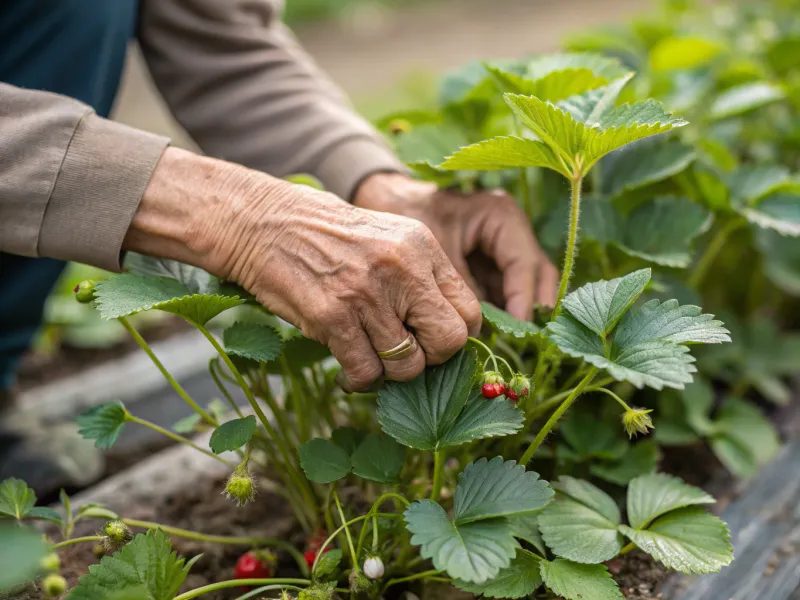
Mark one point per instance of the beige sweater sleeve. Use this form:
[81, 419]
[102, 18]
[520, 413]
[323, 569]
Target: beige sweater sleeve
[70, 181]
[237, 80]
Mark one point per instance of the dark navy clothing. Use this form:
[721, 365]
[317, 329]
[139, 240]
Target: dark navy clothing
[71, 47]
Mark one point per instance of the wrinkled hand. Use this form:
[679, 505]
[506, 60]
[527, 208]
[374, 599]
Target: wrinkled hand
[486, 236]
[353, 279]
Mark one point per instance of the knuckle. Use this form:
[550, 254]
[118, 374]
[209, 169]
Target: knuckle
[408, 369]
[363, 375]
[449, 343]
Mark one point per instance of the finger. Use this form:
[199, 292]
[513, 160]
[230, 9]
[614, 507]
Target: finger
[439, 328]
[386, 331]
[361, 366]
[462, 267]
[489, 277]
[547, 285]
[454, 290]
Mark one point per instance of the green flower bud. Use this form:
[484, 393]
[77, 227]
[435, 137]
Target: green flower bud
[54, 585]
[115, 535]
[637, 420]
[84, 291]
[241, 486]
[50, 563]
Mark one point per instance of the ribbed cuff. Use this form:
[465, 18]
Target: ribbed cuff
[352, 161]
[101, 182]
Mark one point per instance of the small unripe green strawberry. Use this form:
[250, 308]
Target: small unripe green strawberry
[50, 563]
[493, 377]
[54, 585]
[84, 291]
[115, 535]
[241, 486]
[519, 387]
[637, 420]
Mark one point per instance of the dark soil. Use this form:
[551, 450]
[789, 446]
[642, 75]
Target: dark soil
[638, 575]
[37, 369]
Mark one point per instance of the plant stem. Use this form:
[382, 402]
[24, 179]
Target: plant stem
[373, 511]
[512, 354]
[552, 401]
[333, 535]
[172, 381]
[415, 577]
[255, 542]
[342, 518]
[544, 431]
[78, 540]
[572, 242]
[177, 438]
[284, 452]
[222, 585]
[438, 475]
[488, 350]
[267, 588]
[711, 252]
[631, 546]
[620, 401]
[212, 369]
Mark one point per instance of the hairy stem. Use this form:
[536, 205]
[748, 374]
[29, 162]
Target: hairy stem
[415, 577]
[177, 438]
[488, 350]
[438, 475]
[212, 369]
[373, 511]
[712, 250]
[545, 405]
[78, 540]
[572, 242]
[350, 545]
[333, 535]
[620, 401]
[267, 588]
[223, 585]
[631, 546]
[254, 542]
[548, 426]
[172, 381]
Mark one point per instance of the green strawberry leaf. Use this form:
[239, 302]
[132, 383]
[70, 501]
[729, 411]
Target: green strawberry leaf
[196, 280]
[750, 183]
[428, 145]
[328, 563]
[592, 438]
[600, 220]
[323, 461]
[378, 458]
[689, 540]
[668, 321]
[602, 66]
[651, 496]
[640, 459]
[778, 211]
[526, 528]
[126, 294]
[661, 230]
[103, 424]
[441, 408]
[581, 524]
[505, 323]
[744, 98]
[600, 305]
[552, 87]
[781, 259]
[479, 540]
[743, 438]
[148, 561]
[472, 553]
[21, 550]
[574, 581]
[504, 152]
[16, 498]
[520, 579]
[45, 513]
[253, 341]
[232, 435]
[681, 53]
[643, 163]
[348, 438]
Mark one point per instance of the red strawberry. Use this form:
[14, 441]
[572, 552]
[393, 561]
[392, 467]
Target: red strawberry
[311, 555]
[492, 390]
[512, 395]
[255, 564]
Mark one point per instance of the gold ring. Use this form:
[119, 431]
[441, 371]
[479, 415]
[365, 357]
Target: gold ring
[406, 348]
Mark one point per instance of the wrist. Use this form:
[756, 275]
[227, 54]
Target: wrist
[395, 193]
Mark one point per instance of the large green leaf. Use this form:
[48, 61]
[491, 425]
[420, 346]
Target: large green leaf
[103, 424]
[778, 211]
[640, 459]
[743, 438]
[591, 438]
[429, 144]
[473, 552]
[498, 488]
[526, 528]
[552, 87]
[323, 461]
[16, 498]
[744, 98]
[148, 560]
[348, 438]
[479, 541]
[750, 183]
[689, 540]
[651, 496]
[378, 458]
[126, 294]
[232, 435]
[781, 259]
[574, 581]
[520, 579]
[503, 152]
[668, 321]
[503, 322]
[602, 66]
[600, 305]
[21, 550]
[195, 279]
[675, 53]
[581, 524]
[442, 408]
[644, 163]
[600, 221]
[662, 230]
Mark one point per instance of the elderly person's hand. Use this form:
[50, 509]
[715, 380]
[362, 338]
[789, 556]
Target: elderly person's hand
[376, 288]
[486, 236]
